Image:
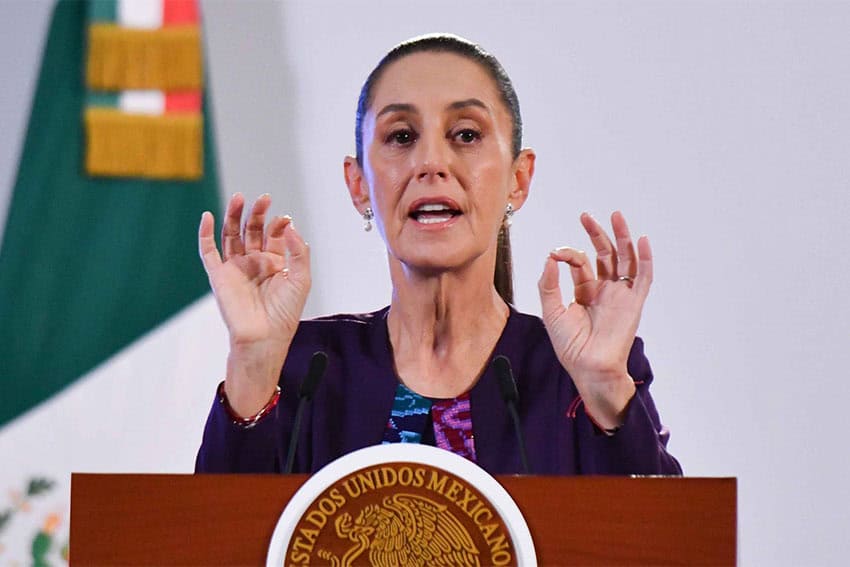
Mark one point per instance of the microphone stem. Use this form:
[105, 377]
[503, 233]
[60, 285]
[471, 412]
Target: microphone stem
[520, 440]
[293, 440]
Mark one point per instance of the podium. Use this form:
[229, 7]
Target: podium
[140, 519]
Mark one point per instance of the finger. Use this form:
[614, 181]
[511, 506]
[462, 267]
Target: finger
[585, 284]
[299, 251]
[255, 223]
[643, 279]
[626, 256]
[275, 242]
[580, 268]
[606, 255]
[231, 239]
[206, 243]
[551, 300]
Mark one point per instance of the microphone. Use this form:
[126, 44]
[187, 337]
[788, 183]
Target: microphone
[507, 385]
[318, 365]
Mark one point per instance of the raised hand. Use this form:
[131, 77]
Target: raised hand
[592, 336]
[260, 282]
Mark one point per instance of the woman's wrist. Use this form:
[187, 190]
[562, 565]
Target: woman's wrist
[606, 403]
[253, 372]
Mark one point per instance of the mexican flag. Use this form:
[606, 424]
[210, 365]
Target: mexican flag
[110, 346]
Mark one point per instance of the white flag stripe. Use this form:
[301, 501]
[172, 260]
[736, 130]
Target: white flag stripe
[143, 410]
[140, 13]
[142, 102]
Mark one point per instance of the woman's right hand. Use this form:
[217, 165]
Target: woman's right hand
[260, 293]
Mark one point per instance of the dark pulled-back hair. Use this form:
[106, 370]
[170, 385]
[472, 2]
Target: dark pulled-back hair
[449, 43]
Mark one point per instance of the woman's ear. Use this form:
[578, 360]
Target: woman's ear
[356, 183]
[523, 171]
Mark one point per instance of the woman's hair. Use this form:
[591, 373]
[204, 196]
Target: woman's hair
[448, 43]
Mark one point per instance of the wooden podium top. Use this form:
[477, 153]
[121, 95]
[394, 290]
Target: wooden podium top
[206, 520]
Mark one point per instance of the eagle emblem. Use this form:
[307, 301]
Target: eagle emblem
[405, 529]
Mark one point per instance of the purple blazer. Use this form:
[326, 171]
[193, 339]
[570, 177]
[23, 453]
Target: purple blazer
[352, 404]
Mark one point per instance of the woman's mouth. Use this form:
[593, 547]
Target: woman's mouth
[433, 213]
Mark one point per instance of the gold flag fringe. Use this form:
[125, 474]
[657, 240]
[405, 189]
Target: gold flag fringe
[166, 59]
[137, 145]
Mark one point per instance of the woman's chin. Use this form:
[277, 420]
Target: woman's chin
[434, 261]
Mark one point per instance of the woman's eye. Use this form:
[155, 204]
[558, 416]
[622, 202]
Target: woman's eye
[467, 136]
[401, 137]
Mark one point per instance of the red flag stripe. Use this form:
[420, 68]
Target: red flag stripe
[183, 101]
[179, 12]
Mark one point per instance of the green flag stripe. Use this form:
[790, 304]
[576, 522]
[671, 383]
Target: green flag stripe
[104, 11]
[102, 98]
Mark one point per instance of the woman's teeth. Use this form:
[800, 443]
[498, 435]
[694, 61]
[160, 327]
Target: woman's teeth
[433, 213]
[433, 219]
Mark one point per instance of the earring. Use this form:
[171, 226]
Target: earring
[368, 215]
[509, 213]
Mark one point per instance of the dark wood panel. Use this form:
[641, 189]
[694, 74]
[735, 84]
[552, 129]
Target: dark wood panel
[629, 521]
[229, 519]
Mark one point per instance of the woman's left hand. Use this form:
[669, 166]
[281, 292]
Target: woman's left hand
[593, 336]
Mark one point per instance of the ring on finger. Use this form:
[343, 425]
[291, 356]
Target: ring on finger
[627, 279]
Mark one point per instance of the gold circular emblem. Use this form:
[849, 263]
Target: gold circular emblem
[400, 514]
[401, 504]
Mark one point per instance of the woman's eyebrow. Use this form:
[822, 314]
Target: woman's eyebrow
[397, 107]
[468, 102]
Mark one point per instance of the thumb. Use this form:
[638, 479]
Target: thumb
[206, 243]
[299, 251]
[551, 300]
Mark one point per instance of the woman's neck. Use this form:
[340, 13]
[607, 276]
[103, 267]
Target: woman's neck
[443, 328]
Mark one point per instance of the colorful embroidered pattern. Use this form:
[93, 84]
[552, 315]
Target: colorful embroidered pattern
[452, 420]
[453, 426]
[408, 417]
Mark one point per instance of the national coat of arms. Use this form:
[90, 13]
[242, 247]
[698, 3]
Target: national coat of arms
[405, 529]
[401, 505]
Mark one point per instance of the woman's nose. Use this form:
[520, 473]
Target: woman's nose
[432, 159]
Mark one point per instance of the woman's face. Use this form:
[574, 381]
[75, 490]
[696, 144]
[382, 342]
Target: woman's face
[437, 166]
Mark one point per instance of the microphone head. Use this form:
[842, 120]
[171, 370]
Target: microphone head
[507, 385]
[318, 364]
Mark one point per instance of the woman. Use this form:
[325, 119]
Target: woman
[439, 170]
